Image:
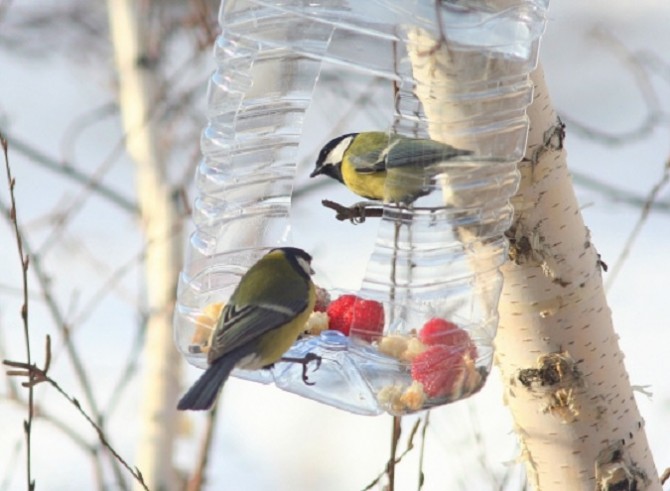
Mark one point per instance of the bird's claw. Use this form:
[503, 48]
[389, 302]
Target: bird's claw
[356, 213]
[304, 361]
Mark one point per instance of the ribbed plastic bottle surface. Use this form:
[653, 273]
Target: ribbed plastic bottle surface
[461, 72]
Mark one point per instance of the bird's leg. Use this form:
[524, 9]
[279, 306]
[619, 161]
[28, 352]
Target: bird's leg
[363, 209]
[304, 361]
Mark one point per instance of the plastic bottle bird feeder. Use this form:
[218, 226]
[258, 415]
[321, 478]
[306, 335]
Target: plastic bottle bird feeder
[419, 331]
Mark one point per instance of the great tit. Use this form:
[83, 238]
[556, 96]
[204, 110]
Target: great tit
[383, 167]
[262, 319]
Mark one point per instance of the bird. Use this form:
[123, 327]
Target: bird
[383, 167]
[264, 316]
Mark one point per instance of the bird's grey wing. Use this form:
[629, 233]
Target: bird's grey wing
[369, 162]
[239, 326]
[407, 152]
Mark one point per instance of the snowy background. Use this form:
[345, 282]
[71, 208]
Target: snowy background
[267, 439]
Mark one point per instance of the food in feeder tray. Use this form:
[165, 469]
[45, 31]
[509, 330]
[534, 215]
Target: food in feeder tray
[351, 313]
[345, 314]
[438, 360]
[440, 369]
[205, 324]
[442, 366]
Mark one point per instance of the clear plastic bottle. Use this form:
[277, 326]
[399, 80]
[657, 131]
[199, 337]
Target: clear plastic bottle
[461, 72]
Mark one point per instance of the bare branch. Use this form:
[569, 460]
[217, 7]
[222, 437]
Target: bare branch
[59, 319]
[654, 117]
[36, 375]
[617, 194]
[131, 366]
[356, 213]
[41, 413]
[68, 170]
[422, 450]
[393, 461]
[24, 308]
[198, 478]
[77, 204]
[81, 123]
[44, 282]
[665, 476]
[108, 285]
[644, 215]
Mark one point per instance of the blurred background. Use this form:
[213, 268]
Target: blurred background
[609, 75]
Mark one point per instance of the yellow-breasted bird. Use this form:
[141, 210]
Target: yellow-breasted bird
[383, 167]
[262, 319]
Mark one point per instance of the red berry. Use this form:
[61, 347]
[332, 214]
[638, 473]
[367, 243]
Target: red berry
[450, 352]
[339, 313]
[365, 317]
[442, 331]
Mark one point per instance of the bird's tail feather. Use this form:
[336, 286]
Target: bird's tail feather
[202, 394]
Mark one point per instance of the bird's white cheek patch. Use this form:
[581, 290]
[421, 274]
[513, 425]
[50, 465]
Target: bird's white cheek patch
[337, 154]
[306, 267]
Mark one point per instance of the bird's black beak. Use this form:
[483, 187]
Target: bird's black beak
[317, 171]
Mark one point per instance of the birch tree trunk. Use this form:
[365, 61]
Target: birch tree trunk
[566, 383]
[138, 88]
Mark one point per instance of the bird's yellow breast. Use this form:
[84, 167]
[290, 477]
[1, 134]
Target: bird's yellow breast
[370, 186]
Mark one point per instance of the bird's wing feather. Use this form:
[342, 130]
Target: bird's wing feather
[420, 153]
[243, 325]
[369, 162]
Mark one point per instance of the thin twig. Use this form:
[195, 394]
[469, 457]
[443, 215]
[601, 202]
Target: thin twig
[398, 459]
[44, 282]
[41, 413]
[664, 477]
[36, 375]
[634, 234]
[82, 123]
[395, 437]
[28, 423]
[478, 436]
[617, 194]
[654, 117]
[65, 169]
[128, 373]
[107, 286]
[76, 204]
[198, 478]
[422, 450]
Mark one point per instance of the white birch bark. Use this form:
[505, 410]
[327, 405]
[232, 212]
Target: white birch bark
[567, 387]
[138, 89]
[566, 383]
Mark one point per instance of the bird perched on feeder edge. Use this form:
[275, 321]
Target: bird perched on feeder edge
[262, 319]
[383, 167]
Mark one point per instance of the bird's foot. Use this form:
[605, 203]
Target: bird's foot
[304, 361]
[356, 213]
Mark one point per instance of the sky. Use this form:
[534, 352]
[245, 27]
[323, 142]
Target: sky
[269, 439]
